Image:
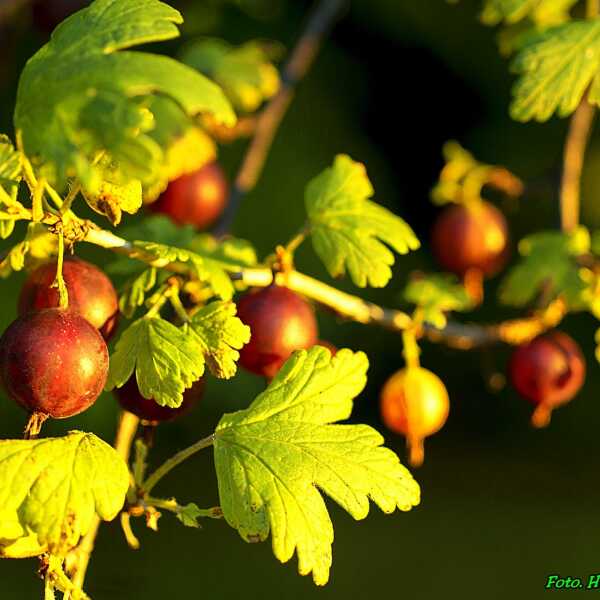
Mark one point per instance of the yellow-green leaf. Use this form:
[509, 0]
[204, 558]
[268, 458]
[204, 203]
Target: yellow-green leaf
[275, 458]
[351, 232]
[52, 488]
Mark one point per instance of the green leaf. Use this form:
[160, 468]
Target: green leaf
[10, 170]
[213, 273]
[233, 253]
[186, 146]
[52, 488]
[212, 260]
[220, 335]
[94, 90]
[275, 457]
[548, 260]
[189, 515]
[112, 199]
[37, 247]
[549, 12]
[166, 360]
[245, 73]
[348, 229]
[135, 292]
[436, 295]
[556, 67]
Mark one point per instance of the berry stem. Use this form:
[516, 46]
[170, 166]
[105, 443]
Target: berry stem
[66, 207]
[178, 306]
[174, 461]
[416, 451]
[302, 57]
[411, 348]
[59, 281]
[37, 206]
[541, 416]
[34, 425]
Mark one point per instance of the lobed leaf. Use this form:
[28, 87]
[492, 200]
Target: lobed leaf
[95, 93]
[51, 490]
[134, 295]
[348, 230]
[245, 73]
[274, 458]
[220, 335]
[166, 360]
[437, 294]
[548, 263]
[555, 68]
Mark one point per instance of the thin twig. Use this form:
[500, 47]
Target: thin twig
[126, 431]
[175, 460]
[456, 335]
[267, 124]
[577, 138]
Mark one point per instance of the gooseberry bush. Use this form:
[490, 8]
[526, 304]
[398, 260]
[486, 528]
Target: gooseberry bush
[100, 123]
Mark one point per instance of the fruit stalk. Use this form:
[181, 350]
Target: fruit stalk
[174, 461]
[302, 57]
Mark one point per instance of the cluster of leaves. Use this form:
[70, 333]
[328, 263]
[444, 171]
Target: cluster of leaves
[522, 20]
[245, 73]
[118, 125]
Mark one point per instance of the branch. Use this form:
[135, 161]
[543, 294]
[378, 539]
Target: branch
[577, 138]
[456, 335]
[126, 431]
[302, 58]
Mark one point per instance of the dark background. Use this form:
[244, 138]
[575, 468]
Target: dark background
[503, 505]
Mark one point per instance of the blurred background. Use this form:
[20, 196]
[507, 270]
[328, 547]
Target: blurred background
[503, 505]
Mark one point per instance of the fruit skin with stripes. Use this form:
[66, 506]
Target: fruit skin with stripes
[196, 199]
[548, 371]
[131, 399]
[469, 237]
[53, 362]
[91, 293]
[414, 402]
[280, 322]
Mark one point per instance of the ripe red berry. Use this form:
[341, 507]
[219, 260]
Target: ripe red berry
[196, 199]
[414, 403]
[280, 322]
[91, 293]
[48, 14]
[131, 399]
[53, 362]
[548, 371]
[471, 237]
